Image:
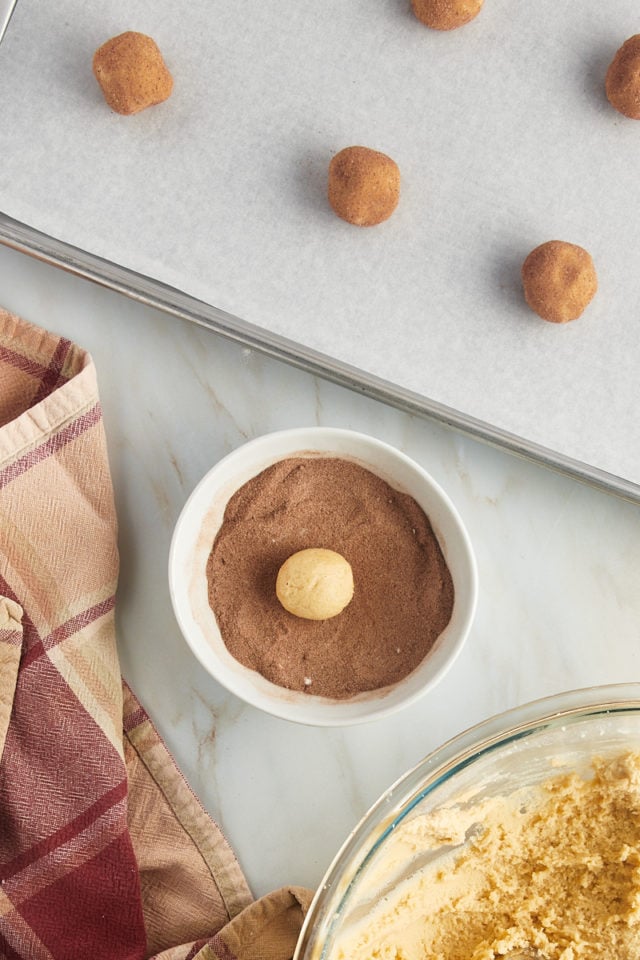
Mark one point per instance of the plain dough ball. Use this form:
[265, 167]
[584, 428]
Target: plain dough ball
[315, 584]
[623, 79]
[364, 185]
[446, 14]
[131, 72]
[559, 280]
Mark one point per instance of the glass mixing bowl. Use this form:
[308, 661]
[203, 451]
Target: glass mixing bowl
[514, 750]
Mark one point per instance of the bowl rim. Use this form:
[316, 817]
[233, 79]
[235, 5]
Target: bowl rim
[549, 712]
[298, 707]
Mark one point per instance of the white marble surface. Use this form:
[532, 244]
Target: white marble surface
[558, 566]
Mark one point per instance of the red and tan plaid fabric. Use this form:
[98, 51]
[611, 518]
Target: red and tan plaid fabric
[104, 850]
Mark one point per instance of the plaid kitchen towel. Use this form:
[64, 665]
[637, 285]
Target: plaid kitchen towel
[104, 851]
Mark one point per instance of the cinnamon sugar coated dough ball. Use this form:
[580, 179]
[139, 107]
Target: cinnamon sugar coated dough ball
[364, 186]
[446, 14]
[622, 82]
[559, 281]
[315, 584]
[131, 72]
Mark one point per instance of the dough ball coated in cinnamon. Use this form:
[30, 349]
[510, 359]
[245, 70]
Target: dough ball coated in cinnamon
[559, 280]
[364, 185]
[622, 82]
[315, 584]
[131, 72]
[446, 14]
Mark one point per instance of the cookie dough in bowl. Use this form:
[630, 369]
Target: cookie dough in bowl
[315, 583]
[520, 837]
[401, 584]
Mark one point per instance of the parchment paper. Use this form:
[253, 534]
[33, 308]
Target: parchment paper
[504, 139]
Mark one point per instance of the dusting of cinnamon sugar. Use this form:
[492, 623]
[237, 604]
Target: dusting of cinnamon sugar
[364, 185]
[559, 280]
[622, 82]
[132, 73]
[446, 14]
[403, 596]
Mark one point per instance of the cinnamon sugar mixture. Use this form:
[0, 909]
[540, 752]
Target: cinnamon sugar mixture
[403, 595]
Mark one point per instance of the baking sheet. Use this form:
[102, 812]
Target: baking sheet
[6, 9]
[504, 139]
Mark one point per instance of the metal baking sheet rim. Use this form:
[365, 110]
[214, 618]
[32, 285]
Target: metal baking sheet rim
[25, 239]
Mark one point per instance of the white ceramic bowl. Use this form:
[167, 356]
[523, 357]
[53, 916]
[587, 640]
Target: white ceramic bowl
[201, 518]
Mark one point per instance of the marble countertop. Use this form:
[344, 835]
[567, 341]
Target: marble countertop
[559, 603]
